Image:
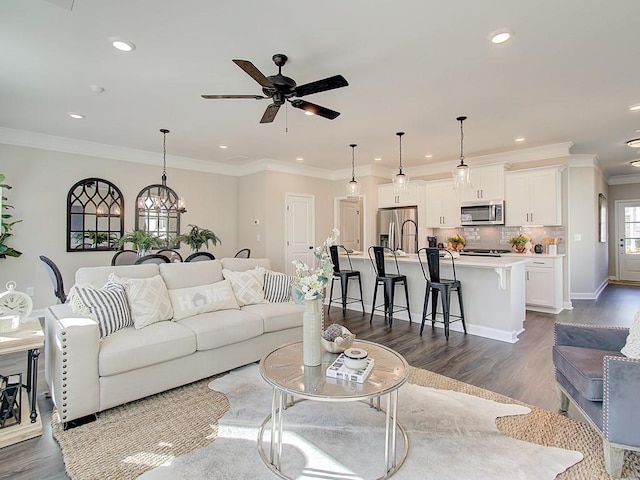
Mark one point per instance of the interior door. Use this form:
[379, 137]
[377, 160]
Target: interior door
[300, 231]
[350, 223]
[628, 215]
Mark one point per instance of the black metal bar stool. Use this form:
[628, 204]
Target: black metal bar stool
[389, 282]
[343, 276]
[439, 286]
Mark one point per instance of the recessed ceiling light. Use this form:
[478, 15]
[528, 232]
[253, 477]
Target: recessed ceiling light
[500, 36]
[519, 139]
[123, 45]
[635, 108]
[428, 155]
[223, 146]
[77, 116]
[300, 159]
[378, 159]
[635, 143]
[636, 163]
[96, 88]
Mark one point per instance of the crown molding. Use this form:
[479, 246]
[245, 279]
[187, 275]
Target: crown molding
[624, 179]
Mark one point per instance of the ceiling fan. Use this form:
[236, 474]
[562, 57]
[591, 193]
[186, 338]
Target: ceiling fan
[281, 89]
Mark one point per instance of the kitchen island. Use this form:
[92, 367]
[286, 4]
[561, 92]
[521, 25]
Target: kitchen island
[493, 291]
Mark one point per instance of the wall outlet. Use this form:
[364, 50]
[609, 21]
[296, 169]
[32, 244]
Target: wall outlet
[29, 291]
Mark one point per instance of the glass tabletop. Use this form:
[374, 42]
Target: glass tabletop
[284, 370]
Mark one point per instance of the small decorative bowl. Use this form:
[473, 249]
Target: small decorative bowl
[341, 345]
[355, 358]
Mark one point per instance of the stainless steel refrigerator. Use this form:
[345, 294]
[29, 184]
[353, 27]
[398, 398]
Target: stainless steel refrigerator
[397, 228]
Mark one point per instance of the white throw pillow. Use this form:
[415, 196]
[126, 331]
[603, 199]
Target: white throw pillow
[108, 306]
[247, 286]
[277, 287]
[632, 347]
[148, 299]
[191, 301]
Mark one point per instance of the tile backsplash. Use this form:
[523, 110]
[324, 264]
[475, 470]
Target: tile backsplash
[498, 237]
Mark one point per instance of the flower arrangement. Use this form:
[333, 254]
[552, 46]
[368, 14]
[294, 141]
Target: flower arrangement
[310, 284]
[456, 242]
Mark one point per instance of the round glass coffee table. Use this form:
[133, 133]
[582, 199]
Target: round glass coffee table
[292, 382]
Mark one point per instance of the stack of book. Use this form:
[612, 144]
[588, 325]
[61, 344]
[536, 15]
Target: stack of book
[339, 370]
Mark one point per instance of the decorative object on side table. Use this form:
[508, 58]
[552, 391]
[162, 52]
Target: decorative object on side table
[336, 338]
[309, 285]
[456, 243]
[13, 304]
[519, 242]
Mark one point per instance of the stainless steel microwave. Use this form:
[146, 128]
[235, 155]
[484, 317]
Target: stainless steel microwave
[482, 213]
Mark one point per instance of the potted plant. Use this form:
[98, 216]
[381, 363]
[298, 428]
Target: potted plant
[519, 243]
[197, 237]
[6, 225]
[456, 242]
[141, 240]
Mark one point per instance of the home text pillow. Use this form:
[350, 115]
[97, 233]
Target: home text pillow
[190, 301]
[148, 299]
[277, 287]
[248, 286]
[632, 347]
[107, 305]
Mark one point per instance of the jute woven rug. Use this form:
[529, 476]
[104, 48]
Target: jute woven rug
[126, 441]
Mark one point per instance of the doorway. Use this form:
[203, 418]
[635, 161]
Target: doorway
[628, 245]
[300, 228]
[350, 221]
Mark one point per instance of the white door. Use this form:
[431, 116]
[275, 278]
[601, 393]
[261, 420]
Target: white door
[300, 230]
[350, 223]
[628, 216]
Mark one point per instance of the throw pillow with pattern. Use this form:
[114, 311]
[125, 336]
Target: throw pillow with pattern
[277, 287]
[190, 301]
[148, 299]
[248, 286]
[632, 348]
[107, 305]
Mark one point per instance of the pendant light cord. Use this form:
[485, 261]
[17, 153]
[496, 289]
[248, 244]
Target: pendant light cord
[461, 119]
[164, 155]
[400, 134]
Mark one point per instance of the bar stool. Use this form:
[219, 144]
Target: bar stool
[389, 282]
[343, 276]
[438, 286]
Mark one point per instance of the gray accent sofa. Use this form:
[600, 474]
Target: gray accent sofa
[602, 383]
[87, 374]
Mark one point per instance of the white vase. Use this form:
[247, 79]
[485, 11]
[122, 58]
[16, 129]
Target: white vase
[311, 332]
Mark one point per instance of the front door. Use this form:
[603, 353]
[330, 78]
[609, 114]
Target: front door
[350, 224]
[628, 215]
[300, 231]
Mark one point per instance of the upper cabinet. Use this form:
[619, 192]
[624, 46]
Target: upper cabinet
[487, 183]
[442, 204]
[533, 197]
[414, 195]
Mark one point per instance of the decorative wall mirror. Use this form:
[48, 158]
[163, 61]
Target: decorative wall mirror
[95, 215]
[158, 212]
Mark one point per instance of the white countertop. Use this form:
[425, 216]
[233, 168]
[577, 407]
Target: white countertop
[505, 261]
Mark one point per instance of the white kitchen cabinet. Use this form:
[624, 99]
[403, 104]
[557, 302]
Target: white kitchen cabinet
[533, 197]
[442, 204]
[413, 195]
[544, 284]
[487, 183]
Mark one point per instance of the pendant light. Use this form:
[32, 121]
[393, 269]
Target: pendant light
[461, 172]
[353, 187]
[400, 180]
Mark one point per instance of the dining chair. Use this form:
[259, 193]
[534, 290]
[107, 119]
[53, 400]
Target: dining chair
[343, 276]
[200, 257]
[56, 279]
[124, 257]
[152, 258]
[244, 253]
[437, 286]
[389, 282]
[171, 254]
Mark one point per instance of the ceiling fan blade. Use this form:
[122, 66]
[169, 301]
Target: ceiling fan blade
[315, 109]
[254, 73]
[270, 113]
[256, 97]
[337, 81]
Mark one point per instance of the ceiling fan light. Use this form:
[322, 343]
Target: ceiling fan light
[634, 143]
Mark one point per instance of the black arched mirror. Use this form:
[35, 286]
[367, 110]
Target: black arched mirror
[95, 215]
[158, 210]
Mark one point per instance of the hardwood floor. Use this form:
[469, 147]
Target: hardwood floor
[522, 370]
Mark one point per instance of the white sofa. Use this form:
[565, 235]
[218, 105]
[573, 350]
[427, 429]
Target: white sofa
[88, 374]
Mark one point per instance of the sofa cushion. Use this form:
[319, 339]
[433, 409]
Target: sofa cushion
[243, 264]
[224, 327]
[107, 305]
[583, 368]
[277, 316]
[129, 349]
[98, 276]
[191, 274]
[277, 287]
[148, 299]
[191, 301]
[248, 286]
[631, 348]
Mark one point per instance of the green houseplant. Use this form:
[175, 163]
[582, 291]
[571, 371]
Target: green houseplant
[518, 242]
[141, 240]
[6, 225]
[197, 237]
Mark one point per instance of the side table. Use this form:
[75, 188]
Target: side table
[28, 338]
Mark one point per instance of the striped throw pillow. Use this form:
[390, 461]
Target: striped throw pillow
[107, 305]
[277, 287]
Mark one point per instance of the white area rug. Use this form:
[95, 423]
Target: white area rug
[451, 436]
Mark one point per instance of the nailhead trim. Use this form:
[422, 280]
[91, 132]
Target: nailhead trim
[582, 325]
[605, 378]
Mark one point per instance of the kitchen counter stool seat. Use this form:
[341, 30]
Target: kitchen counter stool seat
[343, 276]
[389, 282]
